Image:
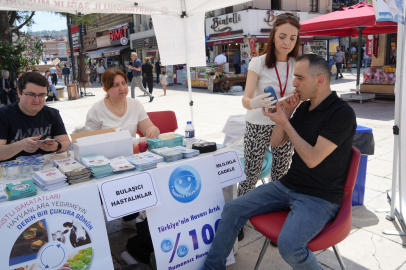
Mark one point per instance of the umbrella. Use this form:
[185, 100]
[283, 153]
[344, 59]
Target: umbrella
[357, 20]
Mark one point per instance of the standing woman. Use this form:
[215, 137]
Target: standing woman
[6, 87]
[273, 68]
[147, 76]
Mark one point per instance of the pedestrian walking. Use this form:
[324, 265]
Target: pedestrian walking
[147, 75]
[100, 70]
[51, 87]
[54, 76]
[135, 65]
[366, 57]
[158, 70]
[339, 56]
[164, 81]
[7, 88]
[65, 73]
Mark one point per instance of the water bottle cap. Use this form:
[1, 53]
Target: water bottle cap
[189, 122]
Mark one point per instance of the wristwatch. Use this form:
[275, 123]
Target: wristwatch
[59, 146]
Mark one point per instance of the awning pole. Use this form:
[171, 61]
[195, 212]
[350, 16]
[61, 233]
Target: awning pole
[359, 56]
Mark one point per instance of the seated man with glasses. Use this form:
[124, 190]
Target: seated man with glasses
[25, 122]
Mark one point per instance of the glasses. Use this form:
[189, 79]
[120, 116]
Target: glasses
[33, 96]
[283, 17]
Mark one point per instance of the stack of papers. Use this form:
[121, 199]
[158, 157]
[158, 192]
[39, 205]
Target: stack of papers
[169, 154]
[187, 152]
[121, 165]
[141, 163]
[154, 157]
[3, 196]
[20, 190]
[49, 179]
[99, 165]
[75, 172]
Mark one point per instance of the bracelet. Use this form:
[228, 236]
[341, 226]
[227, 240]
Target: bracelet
[251, 105]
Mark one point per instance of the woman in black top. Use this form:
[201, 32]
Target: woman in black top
[7, 87]
[147, 76]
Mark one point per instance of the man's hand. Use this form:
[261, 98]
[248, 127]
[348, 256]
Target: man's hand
[48, 146]
[30, 145]
[278, 115]
[291, 103]
[152, 132]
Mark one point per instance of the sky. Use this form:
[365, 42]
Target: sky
[47, 21]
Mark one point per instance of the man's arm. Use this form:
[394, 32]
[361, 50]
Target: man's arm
[51, 146]
[28, 145]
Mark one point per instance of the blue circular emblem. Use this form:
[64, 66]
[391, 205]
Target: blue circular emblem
[185, 184]
[167, 245]
[183, 250]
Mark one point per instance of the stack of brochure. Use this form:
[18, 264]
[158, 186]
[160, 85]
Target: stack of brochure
[121, 165]
[99, 165]
[141, 163]
[49, 179]
[187, 152]
[154, 157]
[169, 154]
[3, 196]
[20, 190]
[75, 171]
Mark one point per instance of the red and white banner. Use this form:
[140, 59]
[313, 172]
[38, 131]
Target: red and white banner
[376, 45]
[253, 45]
[369, 46]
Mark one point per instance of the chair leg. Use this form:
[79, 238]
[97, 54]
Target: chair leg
[339, 258]
[261, 255]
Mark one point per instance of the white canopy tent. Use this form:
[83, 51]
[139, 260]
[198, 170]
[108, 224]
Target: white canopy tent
[178, 24]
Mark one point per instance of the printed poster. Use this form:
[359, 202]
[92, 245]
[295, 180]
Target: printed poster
[184, 225]
[61, 230]
[389, 10]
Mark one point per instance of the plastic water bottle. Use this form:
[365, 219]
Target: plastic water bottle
[189, 134]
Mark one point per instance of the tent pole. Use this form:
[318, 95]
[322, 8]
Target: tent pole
[189, 81]
[359, 56]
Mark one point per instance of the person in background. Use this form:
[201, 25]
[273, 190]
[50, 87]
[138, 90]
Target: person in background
[119, 66]
[158, 70]
[65, 73]
[100, 70]
[54, 76]
[348, 58]
[148, 76]
[164, 81]
[51, 87]
[129, 74]
[221, 59]
[366, 57]
[118, 110]
[353, 49]
[339, 56]
[236, 61]
[135, 65]
[7, 88]
[244, 68]
[24, 122]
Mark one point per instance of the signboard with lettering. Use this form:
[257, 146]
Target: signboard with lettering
[145, 42]
[103, 41]
[369, 45]
[90, 41]
[117, 32]
[76, 40]
[64, 229]
[389, 10]
[229, 168]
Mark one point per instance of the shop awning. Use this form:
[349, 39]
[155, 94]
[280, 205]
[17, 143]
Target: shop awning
[98, 53]
[114, 50]
[225, 41]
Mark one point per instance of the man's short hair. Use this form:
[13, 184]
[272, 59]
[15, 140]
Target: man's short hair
[31, 77]
[224, 51]
[64, 65]
[317, 65]
[243, 61]
[134, 53]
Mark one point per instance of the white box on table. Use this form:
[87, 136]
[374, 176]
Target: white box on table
[110, 145]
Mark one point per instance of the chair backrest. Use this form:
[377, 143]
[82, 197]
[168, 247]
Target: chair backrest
[164, 120]
[338, 229]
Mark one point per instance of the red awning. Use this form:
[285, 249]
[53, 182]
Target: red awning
[225, 41]
[343, 23]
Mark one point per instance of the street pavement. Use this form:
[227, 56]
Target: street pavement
[365, 248]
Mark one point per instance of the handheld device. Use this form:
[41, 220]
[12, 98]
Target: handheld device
[44, 141]
[269, 89]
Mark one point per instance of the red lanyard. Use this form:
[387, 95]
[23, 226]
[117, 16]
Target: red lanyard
[282, 92]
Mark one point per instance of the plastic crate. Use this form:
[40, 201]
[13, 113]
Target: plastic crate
[158, 143]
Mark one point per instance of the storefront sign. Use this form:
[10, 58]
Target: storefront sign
[90, 41]
[369, 46]
[182, 238]
[270, 18]
[224, 41]
[118, 33]
[376, 45]
[55, 231]
[130, 194]
[76, 40]
[244, 55]
[103, 41]
[145, 42]
[68, 51]
[123, 41]
[220, 24]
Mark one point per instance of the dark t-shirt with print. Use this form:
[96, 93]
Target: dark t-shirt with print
[16, 126]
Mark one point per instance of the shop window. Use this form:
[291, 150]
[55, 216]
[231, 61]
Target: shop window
[314, 6]
[276, 5]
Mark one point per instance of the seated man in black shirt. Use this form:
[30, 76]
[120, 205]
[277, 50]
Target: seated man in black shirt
[25, 122]
[321, 130]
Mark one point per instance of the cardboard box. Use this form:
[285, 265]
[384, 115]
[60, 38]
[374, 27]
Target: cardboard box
[110, 145]
[75, 136]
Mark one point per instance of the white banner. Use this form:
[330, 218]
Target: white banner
[66, 228]
[128, 194]
[183, 227]
[229, 168]
[389, 10]
[402, 141]
[170, 34]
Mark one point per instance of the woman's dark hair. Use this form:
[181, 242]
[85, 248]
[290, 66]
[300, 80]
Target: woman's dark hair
[31, 77]
[271, 60]
[109, 75]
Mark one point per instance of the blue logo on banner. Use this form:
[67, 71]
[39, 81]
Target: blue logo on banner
[167, 245]
[183, 250]
[185, 184]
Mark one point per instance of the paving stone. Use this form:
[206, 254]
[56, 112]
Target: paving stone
[250, 235]
[118, 241]
[379, 167]
[377, 183]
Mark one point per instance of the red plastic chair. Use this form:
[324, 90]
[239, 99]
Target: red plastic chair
[165, 120]
[270, 224]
